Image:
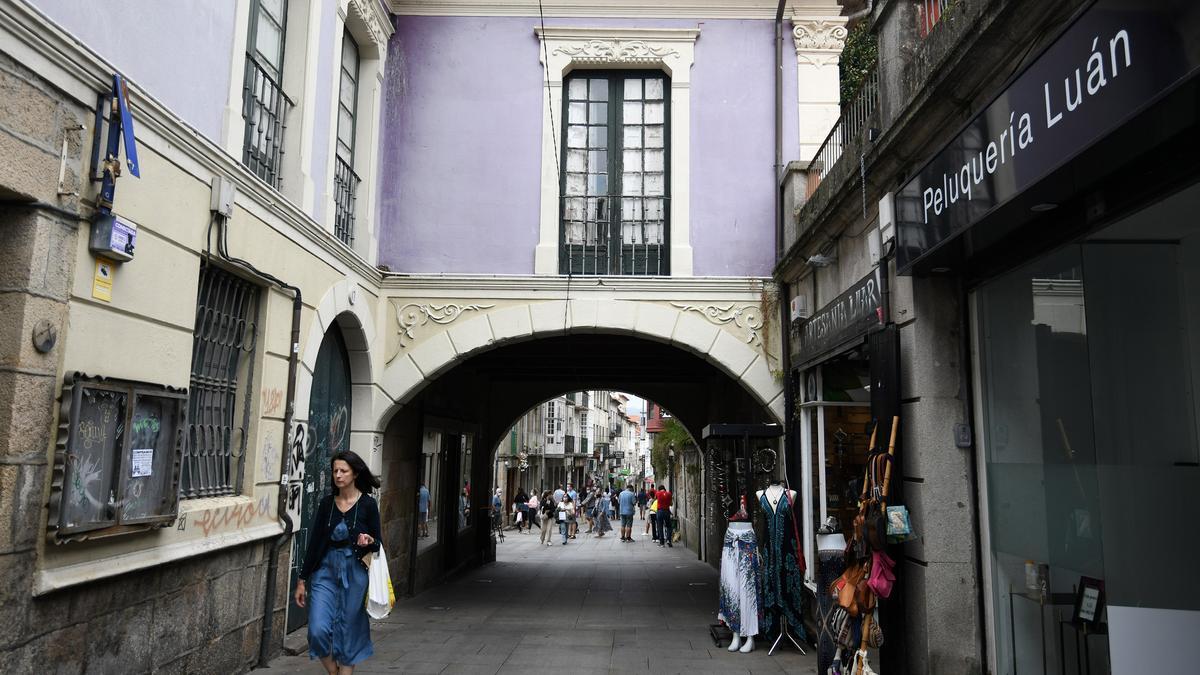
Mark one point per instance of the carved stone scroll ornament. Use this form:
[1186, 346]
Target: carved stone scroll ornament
[616, 51]
[413, 315]
[747, 317]
[370, 20]
[819, 34]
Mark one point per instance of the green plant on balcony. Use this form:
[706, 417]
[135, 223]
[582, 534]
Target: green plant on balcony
[858, 59]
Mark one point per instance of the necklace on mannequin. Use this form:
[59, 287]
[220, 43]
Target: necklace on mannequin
[773, 493]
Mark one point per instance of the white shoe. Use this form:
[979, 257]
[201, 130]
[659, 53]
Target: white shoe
[735, 643]
[748, 645]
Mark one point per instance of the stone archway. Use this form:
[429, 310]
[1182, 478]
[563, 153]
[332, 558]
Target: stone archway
[434, 337]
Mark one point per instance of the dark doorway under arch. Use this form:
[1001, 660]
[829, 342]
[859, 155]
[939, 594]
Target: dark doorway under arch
[483, 396]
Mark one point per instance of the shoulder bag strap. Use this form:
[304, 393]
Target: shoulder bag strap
[795, 531]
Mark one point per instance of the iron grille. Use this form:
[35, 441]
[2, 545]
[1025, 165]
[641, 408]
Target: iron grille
[345, 189]
[264, 107]
[855, 114]
[632, 227]
[222, 343]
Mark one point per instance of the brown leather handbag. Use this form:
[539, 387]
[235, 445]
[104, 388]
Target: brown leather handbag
[846, 587]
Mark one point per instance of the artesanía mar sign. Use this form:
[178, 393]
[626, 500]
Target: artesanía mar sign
[1109, 64]
[851, 314]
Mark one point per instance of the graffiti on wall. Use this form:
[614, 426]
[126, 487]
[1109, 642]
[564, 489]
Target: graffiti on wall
[231, 517]
[272, 401]
[294, 476]
[268, 460]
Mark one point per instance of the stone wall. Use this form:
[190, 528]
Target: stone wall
[201, 615]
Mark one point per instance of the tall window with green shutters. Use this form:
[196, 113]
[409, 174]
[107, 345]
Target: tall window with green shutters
[615, 181]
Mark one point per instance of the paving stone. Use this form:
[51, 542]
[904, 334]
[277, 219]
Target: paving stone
[594, 606]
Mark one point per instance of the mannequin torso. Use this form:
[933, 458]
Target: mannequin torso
[774, 493]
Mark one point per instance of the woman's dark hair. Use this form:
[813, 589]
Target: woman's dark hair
[364, 480]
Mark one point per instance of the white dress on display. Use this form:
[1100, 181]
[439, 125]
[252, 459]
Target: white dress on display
[739, 606]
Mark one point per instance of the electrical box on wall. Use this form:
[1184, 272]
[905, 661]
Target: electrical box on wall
[223, 194]
[113, 238]
[799, 308]
[887, 220]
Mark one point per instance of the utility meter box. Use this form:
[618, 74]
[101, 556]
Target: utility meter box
[113, 238]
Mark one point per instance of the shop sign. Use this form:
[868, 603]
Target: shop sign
[1110, 63]
[850, 315]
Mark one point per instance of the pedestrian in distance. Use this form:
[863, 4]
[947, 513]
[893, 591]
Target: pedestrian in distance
[588, 506]
[333, 579]
[566, 517]
[603, 514]
[558, 494]
[548, 509]
[642, 500]
[534, 502]
[575, 502]
[423, 511]
[663, 529]
[652, 507]
[522, 502]
[626, 502]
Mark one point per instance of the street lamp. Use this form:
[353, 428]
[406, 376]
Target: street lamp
[671, 467]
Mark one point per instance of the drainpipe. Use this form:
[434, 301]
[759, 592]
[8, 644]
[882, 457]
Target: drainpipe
[866, 11]
[779, 130]
[288, 422]
[285, 471]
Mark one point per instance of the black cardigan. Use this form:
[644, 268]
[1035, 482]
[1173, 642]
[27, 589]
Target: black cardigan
[326, 519]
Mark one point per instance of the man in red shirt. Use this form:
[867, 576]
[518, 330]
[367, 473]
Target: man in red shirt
[662, 523]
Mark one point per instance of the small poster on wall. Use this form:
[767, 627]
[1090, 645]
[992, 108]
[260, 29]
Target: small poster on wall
[1089, 602]
[143, 462]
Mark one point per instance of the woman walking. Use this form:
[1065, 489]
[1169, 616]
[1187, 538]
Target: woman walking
[587, 506]
[334, 576]
[603, 514]
[566, 517]
[652, 507]
[547, 524]
[532, 515]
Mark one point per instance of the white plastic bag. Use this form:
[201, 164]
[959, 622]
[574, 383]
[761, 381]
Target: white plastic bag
[380, 595]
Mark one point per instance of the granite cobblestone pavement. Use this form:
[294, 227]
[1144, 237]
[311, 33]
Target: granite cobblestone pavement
[594, 606]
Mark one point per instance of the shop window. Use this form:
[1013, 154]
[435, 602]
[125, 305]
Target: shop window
[223, 343]
[117, 465]
[1088, 360]
[464, 505]
[614, 174]
[835, 433]
[431, 475]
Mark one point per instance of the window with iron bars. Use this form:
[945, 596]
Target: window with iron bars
[264, 105]
[615, 175]
[345, 181]
[223, 344]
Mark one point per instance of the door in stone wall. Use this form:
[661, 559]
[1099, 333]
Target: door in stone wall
[329, 434]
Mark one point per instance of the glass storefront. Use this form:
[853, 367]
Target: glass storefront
[1086, 366]
[835, 432]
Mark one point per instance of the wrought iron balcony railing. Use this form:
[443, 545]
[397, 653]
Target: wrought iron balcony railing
[853, 120]
[345, 189]
[624, 234]
[265, 108]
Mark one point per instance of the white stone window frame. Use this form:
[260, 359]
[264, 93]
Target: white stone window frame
[563, 50]
[371, 30]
